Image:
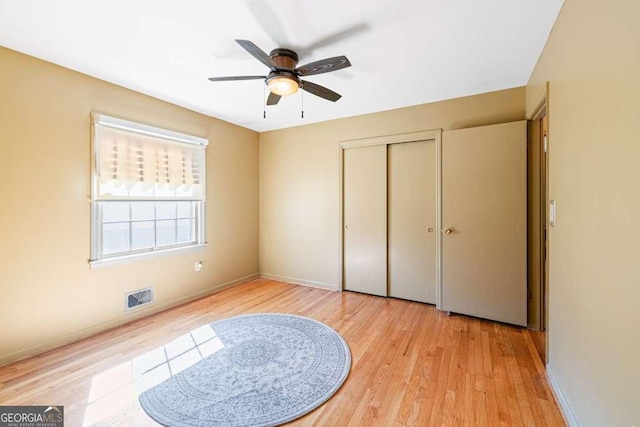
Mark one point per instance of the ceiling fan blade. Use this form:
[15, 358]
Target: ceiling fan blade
[269, 21]
[321, 91]
[232, 78]
[335, 38]
[273, 98]
[257, 53]
[323, 66]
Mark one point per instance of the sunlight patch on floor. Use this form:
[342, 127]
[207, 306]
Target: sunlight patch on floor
[117, 389]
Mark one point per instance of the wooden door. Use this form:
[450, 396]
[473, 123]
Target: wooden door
[365, 219]
[412, 221]
[484, 266]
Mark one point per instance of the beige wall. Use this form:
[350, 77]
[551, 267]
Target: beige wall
[48, 294]
[592, 63]
[299, 178]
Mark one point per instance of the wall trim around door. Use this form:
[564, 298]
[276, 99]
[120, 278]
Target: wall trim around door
[540, 105]
[425, 135]
[541, 110]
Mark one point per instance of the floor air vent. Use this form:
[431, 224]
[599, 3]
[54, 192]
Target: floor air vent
[138, 298]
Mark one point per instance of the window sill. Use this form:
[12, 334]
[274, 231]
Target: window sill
[127, 259]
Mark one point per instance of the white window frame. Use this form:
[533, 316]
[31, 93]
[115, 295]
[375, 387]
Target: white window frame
[98, 259]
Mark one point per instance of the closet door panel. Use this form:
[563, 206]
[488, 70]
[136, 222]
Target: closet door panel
[412, 221]
[365, 219]
[484, 215]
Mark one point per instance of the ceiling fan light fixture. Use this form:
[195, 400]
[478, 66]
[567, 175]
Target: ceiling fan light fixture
[283, 85]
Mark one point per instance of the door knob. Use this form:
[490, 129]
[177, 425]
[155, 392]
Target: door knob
[448, 231]
[430, 230]
[347, 226]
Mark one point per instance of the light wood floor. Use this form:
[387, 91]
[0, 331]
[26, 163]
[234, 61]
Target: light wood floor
[412, 365]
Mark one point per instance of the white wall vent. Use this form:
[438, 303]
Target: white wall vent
[138, 298]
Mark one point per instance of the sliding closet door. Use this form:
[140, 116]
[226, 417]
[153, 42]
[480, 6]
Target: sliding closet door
[365, 219]
[484, 216]
[412, 221]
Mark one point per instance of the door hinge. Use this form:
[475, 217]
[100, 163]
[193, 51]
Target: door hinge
[545, 142]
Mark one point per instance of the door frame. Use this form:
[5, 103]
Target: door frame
[425, 135]
[540, 110]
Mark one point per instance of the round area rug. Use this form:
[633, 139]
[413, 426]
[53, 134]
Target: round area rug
[269, 369]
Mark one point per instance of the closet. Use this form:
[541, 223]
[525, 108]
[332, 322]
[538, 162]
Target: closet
[390, 216]
[439, 217]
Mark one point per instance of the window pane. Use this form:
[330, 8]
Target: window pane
[142, 211]
[184, 210]
[166, 210]
[143, 226]
[142, 234]
[115, 238]
[115, 211]
[185, 231]
[165, 233]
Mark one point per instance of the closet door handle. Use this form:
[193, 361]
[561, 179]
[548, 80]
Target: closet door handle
[430, 230]
[448, 231]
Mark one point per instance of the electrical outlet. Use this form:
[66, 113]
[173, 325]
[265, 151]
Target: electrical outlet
[198, 265]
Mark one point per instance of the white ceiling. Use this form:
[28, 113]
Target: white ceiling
[404, 52]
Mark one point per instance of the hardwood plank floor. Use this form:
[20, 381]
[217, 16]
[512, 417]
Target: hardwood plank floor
[412, 365]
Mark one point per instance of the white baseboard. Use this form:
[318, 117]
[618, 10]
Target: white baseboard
[565, 407]
[302, 282]
[101, 327]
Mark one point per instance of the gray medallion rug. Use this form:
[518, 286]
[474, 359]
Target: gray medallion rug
[272, 368]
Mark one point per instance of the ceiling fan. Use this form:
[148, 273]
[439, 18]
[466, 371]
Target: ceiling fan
[284, 78]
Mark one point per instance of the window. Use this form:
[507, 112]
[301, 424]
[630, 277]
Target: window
[148, 191]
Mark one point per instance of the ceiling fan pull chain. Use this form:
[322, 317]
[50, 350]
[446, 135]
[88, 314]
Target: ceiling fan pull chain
[264, 102]
[302, 101]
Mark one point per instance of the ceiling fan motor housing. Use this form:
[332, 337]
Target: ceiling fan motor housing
[284, 58]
